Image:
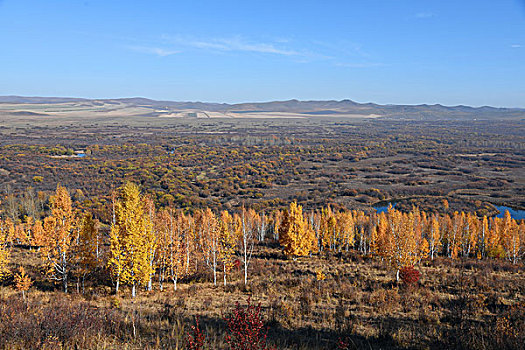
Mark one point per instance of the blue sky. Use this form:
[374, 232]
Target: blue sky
[395, 51]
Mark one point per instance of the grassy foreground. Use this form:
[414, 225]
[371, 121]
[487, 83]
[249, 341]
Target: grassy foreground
[463, 304]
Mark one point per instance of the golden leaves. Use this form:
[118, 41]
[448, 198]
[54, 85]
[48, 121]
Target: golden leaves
[295, 234]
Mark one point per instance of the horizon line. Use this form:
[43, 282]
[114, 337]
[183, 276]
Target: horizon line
[258, 102]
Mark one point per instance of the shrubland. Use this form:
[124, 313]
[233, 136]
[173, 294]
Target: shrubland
[291, 279]
[216, 234]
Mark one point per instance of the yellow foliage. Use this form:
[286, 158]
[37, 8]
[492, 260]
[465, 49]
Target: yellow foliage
[295, 235]
[129, 245]
[61, 231]
[22, 281]
[319, 275]
[4, 260]
[227, 242]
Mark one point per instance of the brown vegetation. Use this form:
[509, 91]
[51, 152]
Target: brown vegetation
[214, 227]
[456, 304]
[222, 164]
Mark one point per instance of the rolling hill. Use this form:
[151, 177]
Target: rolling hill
[17, 106]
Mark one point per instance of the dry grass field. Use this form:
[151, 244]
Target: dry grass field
[457, 304]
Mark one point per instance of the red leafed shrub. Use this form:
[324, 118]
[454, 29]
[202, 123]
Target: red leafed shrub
[246, 328]
[409, 275]
[237, 264]
[343, 344]
[196, 338]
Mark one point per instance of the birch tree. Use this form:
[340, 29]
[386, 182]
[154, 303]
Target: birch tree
[129, 247]
[61, 237]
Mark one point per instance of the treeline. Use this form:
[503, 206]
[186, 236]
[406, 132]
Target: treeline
[142, 246]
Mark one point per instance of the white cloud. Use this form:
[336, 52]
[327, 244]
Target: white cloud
[282, 40]
[158, 51]
[359, 64]
[234, 44]
[515, 46]
[259, 47]
[424, 15]
[343, 51]
[340, 54]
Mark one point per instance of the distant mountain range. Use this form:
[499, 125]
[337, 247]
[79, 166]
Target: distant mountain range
[275, 109]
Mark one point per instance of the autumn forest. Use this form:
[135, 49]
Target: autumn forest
[262, 234]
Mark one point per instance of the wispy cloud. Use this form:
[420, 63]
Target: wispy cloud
[342, 48]
[424, 15]
[515, 46]
[359, 64]
[158, 51]
[233, 44]
[348, 54]
[342, 54]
